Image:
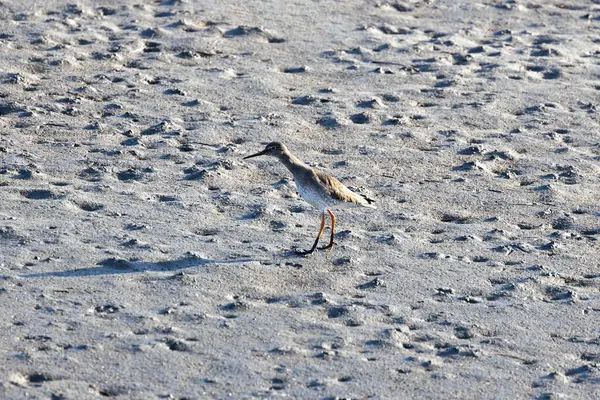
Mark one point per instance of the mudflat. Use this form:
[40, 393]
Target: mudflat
[142, 258]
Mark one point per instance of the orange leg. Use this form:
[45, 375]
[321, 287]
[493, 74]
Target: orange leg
[318, 237]
[331, 243]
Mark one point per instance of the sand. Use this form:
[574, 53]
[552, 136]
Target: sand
[142, 258]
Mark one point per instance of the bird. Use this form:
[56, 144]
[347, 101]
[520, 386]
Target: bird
[321, 190]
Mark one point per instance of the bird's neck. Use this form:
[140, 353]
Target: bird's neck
[292, 163]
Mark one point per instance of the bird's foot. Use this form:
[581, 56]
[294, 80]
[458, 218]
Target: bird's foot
[328, 247]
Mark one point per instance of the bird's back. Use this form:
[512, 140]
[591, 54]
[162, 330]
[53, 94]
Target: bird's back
[339, 192]
[320, 189]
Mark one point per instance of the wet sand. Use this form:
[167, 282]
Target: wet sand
[142, 258]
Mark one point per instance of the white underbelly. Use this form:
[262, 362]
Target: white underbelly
[315, 197]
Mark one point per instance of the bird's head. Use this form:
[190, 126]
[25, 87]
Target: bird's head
[274, 149]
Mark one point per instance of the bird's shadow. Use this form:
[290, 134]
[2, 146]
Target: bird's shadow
[113, 266]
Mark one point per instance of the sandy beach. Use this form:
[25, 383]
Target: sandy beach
[142, 258]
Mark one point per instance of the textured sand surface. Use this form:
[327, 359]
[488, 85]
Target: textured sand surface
[142, 258]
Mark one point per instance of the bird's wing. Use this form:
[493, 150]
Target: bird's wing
[338, 191]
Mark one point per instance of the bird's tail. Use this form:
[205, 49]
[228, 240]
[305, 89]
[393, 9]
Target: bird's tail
[369, 201]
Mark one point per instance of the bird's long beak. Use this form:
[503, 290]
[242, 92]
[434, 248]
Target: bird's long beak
[256, 155]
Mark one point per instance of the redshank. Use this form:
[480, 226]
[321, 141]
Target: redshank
[323, 191]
